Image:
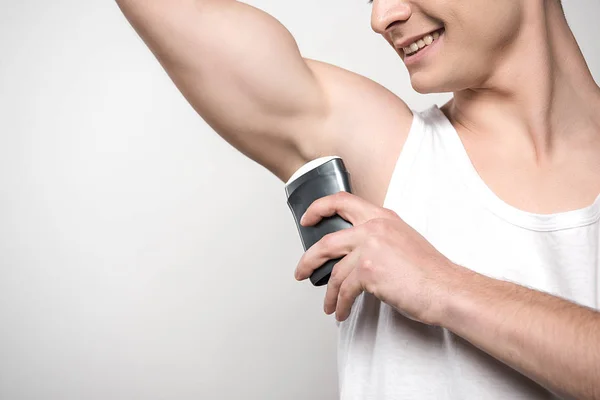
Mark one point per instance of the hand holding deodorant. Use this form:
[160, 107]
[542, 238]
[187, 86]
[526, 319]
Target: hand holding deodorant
[318, 178]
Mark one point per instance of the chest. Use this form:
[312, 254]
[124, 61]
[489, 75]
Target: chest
[563, 262]
[568, 181]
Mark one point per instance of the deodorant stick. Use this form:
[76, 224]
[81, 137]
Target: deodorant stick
[318, 178]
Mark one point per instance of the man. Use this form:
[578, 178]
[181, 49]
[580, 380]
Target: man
[472, 268]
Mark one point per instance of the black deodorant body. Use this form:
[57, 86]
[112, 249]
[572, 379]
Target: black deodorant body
[316, 179]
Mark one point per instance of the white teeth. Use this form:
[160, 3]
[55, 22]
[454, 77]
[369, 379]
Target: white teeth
[419, 44]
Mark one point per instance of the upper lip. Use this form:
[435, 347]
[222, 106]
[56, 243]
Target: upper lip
[410, 40]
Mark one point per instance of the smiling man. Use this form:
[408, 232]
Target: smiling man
[472, 269]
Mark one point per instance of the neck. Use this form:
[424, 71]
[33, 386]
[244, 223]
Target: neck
[540, 94]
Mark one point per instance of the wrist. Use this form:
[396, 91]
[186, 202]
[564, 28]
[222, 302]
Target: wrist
[456, 297]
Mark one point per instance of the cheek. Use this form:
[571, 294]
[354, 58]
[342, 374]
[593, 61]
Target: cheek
[475, 44]
[490, 26]
[478, 32]
[460, 64]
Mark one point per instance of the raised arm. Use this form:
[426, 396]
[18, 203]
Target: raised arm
[242, 72]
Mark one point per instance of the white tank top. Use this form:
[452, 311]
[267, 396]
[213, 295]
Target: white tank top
[437, 191]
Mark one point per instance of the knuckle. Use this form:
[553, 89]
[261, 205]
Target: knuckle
[391, 213]
[316, 204]
[384, 224]
[372, 242]
[344, 292]
[365, 264]
[335, 279]
[343, 195]
[378, 224]
[371, 225]
[328, 240]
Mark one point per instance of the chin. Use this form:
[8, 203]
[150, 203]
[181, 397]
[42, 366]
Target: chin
[427, 83]
[424, 84]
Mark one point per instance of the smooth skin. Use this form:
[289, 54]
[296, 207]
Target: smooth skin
[550, 340]
[261, 96]
[525, 106]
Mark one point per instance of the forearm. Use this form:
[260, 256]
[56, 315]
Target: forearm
[552, 341]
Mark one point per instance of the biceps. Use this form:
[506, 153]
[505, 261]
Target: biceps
[236, 65]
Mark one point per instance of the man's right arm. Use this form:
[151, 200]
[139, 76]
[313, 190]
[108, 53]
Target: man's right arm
[242, 72]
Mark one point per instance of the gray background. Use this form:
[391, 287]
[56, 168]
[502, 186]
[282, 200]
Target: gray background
[142, 257]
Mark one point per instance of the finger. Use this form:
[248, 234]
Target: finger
[348, 206]
[340, 272]
[331, 246]
[349, 291]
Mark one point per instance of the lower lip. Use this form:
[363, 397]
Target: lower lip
[427, 50]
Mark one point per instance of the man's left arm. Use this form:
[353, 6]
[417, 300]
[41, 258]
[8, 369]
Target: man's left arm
[552, 341]
[548, 339]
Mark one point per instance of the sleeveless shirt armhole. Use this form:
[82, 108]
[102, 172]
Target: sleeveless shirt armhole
[405, 160]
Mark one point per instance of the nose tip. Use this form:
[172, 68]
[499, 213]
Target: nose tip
[388, 12]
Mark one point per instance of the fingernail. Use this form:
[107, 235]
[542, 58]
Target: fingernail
[302, 219]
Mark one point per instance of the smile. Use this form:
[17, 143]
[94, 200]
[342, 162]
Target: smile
[427, 40]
